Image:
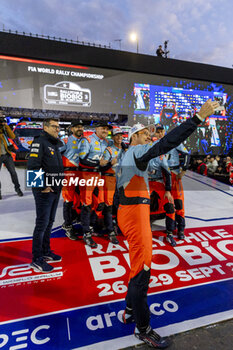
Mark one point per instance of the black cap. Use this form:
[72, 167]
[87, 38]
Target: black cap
[103, 123]
[116, 131]
[76, 122]
[159, 126]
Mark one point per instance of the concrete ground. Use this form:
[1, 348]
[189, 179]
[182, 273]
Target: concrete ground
[217, 336]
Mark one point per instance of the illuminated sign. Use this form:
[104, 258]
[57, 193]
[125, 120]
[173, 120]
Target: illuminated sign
[67, 93]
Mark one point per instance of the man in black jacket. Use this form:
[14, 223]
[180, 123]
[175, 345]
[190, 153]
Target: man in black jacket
[45, 157]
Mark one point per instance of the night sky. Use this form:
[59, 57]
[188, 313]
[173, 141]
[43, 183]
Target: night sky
[197, 30]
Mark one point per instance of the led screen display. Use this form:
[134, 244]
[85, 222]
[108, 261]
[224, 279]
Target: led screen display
[145, 98]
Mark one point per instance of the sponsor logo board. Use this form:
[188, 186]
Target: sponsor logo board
[67, 93]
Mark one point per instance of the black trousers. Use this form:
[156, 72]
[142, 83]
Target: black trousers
[136, 299]
[46, 207]
[8, 161]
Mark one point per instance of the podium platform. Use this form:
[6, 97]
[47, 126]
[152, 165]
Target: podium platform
[79, 304]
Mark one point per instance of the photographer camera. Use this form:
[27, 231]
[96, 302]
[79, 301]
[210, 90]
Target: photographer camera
[159, 51]
[162, 52]
[5, 154]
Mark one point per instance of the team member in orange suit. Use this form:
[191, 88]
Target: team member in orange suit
[111, 154]
[178, 170]
[70, 158]
[91, 159]
[160, 193]
[134, 216]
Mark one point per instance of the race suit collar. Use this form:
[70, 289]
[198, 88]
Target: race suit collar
[98, 138]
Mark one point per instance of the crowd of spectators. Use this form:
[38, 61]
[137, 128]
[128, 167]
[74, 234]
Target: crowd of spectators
[218, 167]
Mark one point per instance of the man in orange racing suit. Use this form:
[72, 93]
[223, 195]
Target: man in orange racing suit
[70, 193]
[134, 216]
[160, 184]
[111, 154]
[177, 172]
[90, 160]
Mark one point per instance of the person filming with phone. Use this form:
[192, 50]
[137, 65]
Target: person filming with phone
[5, 154]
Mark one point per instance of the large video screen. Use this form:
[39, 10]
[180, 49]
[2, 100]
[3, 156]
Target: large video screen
[145, 98]
[172, 105]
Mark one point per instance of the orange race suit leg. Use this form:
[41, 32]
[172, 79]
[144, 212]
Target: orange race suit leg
[178, 195]
[134, 221]
[69, 193]
[157, 188]
[109, 190]
[91, 197]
